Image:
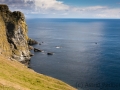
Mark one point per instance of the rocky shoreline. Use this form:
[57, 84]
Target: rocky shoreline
[14, 40]
[32, 48]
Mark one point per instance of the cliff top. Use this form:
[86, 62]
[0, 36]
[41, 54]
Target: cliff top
[7, 14]
[4, 7]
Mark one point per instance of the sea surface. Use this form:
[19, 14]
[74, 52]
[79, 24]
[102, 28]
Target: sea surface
[86, 51]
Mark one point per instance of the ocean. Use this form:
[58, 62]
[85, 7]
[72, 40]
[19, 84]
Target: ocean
[86, 51]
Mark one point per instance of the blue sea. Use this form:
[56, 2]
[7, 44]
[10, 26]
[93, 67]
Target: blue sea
[86, 51]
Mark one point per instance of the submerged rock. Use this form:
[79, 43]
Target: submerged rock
[49, 53]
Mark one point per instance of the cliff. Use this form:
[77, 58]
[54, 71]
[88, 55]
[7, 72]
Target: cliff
[13, 34]
[14, 44]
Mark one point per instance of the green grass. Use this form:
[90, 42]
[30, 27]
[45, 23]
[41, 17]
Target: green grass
[15, 76]
[6, 87]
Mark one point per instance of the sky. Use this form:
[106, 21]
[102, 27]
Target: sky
[66, 8]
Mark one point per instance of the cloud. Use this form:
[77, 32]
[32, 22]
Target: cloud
[36, 6]
[51, 4]
[88, 9]
[55, 8]
[19, 4]
[109, 13]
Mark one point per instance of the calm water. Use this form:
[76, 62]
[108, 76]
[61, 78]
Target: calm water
[89, 53]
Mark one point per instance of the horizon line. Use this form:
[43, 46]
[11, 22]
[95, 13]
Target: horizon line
[68, 18]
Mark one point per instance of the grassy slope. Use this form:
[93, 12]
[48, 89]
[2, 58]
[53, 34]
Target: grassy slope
[15, 76]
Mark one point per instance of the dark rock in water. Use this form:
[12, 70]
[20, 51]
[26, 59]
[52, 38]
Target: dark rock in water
[39, 43]
[37, 50]
[32, 42]
[49, 53]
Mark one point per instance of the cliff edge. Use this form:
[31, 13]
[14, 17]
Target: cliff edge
[13, 34]
[14, 44]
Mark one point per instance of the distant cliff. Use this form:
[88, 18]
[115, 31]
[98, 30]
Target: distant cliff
[13, 34]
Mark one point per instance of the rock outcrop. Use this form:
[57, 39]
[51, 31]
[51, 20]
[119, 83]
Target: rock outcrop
[13, 34]
[32, 42]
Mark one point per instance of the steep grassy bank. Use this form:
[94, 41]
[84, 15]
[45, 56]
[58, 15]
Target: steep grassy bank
[15, 76]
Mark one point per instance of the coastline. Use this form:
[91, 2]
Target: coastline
[15, 48]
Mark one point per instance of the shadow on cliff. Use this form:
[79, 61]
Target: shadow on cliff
[10, 28]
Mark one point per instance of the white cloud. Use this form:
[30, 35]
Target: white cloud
[58, 7]
[55, 8]
[92, 8]
[51, 4]
[109, 13]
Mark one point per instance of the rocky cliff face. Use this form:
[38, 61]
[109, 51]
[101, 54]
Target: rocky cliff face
[13, 34]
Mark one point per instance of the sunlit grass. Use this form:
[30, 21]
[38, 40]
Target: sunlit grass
[14, 76]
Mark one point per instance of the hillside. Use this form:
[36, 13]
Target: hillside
[16, 76]
[14, 47]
